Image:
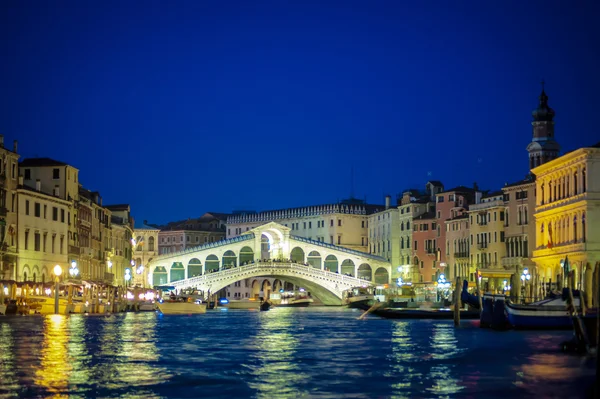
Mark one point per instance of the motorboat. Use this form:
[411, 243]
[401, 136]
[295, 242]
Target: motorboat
[250, 303]
[358, 297]
[550, 313]
[181, 307]
[291, 299]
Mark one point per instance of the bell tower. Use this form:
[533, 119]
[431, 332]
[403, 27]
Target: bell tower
[543, 147]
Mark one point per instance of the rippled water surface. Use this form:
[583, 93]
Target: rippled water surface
[294, 353]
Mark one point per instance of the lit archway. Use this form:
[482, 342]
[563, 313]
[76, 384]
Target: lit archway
[194, 267]
[314, 259]
[331, 264]
[297, 255]
[348, 267]
[159, 276]
[365, 272]
[246, 255]
[255, 289]
[229, 260]
[212, 263]
[177, 271]
[382, 276]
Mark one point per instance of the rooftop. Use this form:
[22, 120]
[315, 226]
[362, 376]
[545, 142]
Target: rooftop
[37, 162]
[118, 207]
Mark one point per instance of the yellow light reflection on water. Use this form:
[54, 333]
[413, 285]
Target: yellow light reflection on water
[8, 378]
[444, 346]
[55, 368]
[277, 371]
[402, 360]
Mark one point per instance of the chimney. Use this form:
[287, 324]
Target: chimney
[16, 143]
[1, 141]
[38, 185]
[388, 199]
[475, 186]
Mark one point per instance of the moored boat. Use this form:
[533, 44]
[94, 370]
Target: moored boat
[180, 307]
[250, 303]
[551, 313]
[291, 299]
[358, 297]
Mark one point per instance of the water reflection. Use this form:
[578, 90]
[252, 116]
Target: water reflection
[55, 368]
[444, 348]
[276, 372]
[8, 378]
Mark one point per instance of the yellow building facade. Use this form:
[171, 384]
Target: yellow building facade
[567, 216]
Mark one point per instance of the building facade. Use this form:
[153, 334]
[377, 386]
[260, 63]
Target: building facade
[42, 235]
[344, 224]
[9, 175]
[145, 250]
[384, 233]
[119, 250]
[458, 248]
[567, 216]
[177, 236]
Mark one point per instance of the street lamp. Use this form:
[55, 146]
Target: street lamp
[506, 287]
[525, 277]
[57, 273]
[443, 284]
[73, 271]
[127, 276]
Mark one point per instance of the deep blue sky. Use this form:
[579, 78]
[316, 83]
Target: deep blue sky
[190, 106]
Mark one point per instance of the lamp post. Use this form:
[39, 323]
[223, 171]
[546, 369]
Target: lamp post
[127, 276]
[525, 276]
[442, 284]
[73, 271]
[57, 273]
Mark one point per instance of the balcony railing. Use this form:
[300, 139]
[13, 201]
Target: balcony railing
[486, 265]
[74, 250]
[461, 254]
[482, 245]
[431, 251]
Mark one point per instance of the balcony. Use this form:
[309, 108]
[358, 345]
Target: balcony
[486, 265]
[431, 251]
[461, 254]
[74, 250]
[482, 245]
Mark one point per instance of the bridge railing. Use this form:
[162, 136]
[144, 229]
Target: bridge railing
[355, 281]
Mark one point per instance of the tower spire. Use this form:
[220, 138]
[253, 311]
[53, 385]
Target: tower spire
[543, 147]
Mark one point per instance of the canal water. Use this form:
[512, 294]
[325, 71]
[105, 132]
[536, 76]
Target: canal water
[282, 353]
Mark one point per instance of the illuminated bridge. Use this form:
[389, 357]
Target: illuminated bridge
[270, 251]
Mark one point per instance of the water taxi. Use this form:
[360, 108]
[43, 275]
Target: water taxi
[358, 297]
[299, 298]
[176, 306]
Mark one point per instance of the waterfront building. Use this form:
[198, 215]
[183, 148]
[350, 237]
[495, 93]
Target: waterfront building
[61, 181]
[450, 204]
[458, 248]
[487, 240]
[413, 204]
[119, 250]
[567, 216]
[344, 224]
[8, 210]
[146, 248]
[180, 235]
[519, 227]
[42, 234]
[384, 232]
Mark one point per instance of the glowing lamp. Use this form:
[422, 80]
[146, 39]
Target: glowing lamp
[57, 270]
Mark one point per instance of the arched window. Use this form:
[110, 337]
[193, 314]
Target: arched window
[575, 229]
[583, 235]
[416, 261]
[151, 244]
[407, 225]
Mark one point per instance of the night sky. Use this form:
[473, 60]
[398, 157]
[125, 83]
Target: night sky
[179, 108]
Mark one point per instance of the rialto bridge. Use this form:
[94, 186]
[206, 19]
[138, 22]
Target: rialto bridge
[270, 251]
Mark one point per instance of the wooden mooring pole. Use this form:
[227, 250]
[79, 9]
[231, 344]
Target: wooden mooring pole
[457, 302]
[479, 294]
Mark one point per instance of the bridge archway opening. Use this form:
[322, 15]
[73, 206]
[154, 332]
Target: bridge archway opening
[348, 267]
[265, 245]
[266, 288]
[177, 271]
[331, 264]
[159, 276]
[277, 285]
[382, 276]
[314, 259]
[365, 272]
[212, 264]
[297, 255]
[255, 289]
[194, 267]
[229, 260]
[246, 255]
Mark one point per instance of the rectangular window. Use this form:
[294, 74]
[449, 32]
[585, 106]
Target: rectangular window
[62, 215]
[37, 210]
[27, 174]
[339, 222]
[363, 224]
[304, 225]
[501, 236]
[501, 216]
[69, 218]
[331, 223]
[53, 242]
[27, 207]
[54, 213]
[26, 240]
[339, 240]
[62, 242]
[37, 242]
[310, 225]
[416, 246]
[363, 241]
[56, 173]
[45, 209]
[45, 239]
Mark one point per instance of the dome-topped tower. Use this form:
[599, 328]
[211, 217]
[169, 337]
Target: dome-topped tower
[543, 147]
